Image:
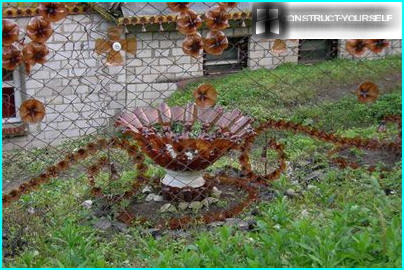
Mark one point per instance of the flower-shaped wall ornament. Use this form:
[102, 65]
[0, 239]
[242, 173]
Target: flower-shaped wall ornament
[178, 6]
[188, 22]
[32, 111]
[34, 53]
[225, 5]
[215, 42]
[10, 32]
[216, 18]
[192, 45]
[356, 46]
[279, 46]
[377, 45]
[53, 11]
[114, 45]
[205, 95]
[367, 92]
[39, 29]
[12, 56]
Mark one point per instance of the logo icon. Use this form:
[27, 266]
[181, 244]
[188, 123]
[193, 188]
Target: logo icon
[267, 21]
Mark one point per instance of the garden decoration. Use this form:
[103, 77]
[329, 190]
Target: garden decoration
[32, 111]
[114, 44]
[39, 30]
[169, 136]
[367, 92]
[188, 23]
[358, 46]
[377, 45]
[279, 46]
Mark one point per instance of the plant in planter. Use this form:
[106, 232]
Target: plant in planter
[186, 140]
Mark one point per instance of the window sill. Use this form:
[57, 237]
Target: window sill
[14, 130]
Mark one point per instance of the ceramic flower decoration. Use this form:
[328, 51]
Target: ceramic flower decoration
[32, 111]
[192, 45]
[10, 32]
[205, 95]
[216, 19]
[178, 6]
[114, 45]
[215, 43]
[377, 45]
[34, 53]
[356, 46]
[52, 11]
[367, 92]
[39, 29]
[279, 46]
[225, 5]
[188, 22]
[12, 56]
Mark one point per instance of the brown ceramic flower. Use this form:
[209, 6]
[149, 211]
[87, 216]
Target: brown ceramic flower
[215, 42]
[113, 46]
[376, 45]
[225, 5]
[39, 29]
[179, 6]
[355, 46]
[205, 95]
[32, 111]
[12, 56]
[279, 46]
[216, 18]
[367, 92]
[188, 22]
[52, 11]
[192, 45]
[10, 32]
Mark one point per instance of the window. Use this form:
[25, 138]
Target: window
[314, 50]
[233, 59]
[11, 96]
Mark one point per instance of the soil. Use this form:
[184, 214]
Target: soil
[151, 210]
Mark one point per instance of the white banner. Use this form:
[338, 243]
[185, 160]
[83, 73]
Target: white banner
[358, 20]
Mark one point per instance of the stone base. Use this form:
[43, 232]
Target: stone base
[187, 194]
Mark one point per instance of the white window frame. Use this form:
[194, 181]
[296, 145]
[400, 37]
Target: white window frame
[16, 84]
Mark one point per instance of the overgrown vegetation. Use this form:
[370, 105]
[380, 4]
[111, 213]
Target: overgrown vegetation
[340, 218]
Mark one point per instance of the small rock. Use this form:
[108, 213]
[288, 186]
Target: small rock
[31, 210]
[183, 205]
[154, 232]
[313, 175]
[290, 193]
[215, 192]
[121, 226]
[87, 204]
[305, 213]
[147, 189]
[154, 197]
[168, 207]
[103, 224]
[252, 223]
[209, 201]
[255, 212]
[239, 223]
[158, 198]
[216, 224]
[195, 205]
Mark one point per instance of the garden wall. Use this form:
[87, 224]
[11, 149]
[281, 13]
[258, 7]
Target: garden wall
[82, 95]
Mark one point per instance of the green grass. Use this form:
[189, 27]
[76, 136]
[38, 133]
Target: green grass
[280, 92]
[345, 219]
